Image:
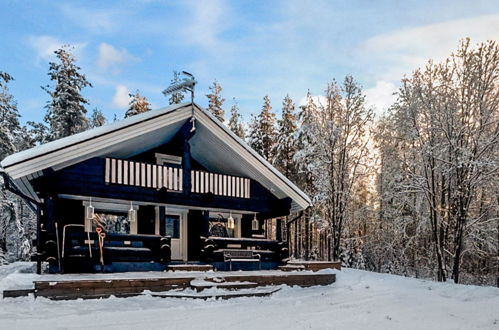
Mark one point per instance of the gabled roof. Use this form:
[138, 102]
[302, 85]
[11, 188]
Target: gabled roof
[214, 146]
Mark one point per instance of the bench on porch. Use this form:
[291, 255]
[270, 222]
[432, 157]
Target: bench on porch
[271, 253]
[231, 255]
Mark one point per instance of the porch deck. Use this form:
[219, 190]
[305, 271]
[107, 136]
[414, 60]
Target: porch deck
[91, 286]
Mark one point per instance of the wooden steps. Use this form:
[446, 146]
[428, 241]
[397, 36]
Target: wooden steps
[233, 281]
[291, 268]
[224, 295]
[17, 293]
[315, 265]
[201, 284]
[190, 267]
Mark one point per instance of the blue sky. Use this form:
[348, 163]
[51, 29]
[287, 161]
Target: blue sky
[252, 48]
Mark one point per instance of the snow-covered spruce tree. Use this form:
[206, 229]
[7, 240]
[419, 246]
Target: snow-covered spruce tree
[235, 121]
[9, 118]
[286, 147]
[138, 104]
[38, 133]
[262, 131]
[97, 119]
[254, 137]
[306, 137]
[177, 97]
[215, 101]
[305, 160]
[66, 113]
[15, 231]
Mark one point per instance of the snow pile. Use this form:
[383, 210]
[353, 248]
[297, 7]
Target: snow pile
[18, 275]
[358, 300]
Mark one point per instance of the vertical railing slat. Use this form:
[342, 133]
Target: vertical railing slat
[107, 175]
[113, 170]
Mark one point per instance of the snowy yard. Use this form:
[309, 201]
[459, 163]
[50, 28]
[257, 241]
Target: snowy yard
[358, 300]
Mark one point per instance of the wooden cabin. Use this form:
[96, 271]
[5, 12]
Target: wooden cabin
[167, 186]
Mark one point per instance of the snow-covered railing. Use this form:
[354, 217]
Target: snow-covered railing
[145, 175]
[220, 184]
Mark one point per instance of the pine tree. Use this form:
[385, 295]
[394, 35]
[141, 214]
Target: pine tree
[177, 97]
[306, 136]
[263, 133]
[38, 133]
[285, 148]
[138, 104]
[235, 121]
[97, 119]
[66, 109]
[216, 101]
[9, 118]
[254, 135]
[267, 121]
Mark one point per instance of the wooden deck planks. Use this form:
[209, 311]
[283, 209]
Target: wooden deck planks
[73, 289]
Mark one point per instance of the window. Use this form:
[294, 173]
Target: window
[112, 223]
[172, 226]
[168, 160]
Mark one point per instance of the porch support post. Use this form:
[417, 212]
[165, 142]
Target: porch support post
[161, 217]
[278, 229]
[38, 240]
[206, 223]
[49, 214]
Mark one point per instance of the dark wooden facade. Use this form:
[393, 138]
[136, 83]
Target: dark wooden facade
[147, 184]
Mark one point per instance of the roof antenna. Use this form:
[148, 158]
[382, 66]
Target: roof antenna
[187, 84]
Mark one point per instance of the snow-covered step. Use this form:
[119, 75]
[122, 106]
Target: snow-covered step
[218, 294]
[17, 293]
[202, 284]
[190, 267]
[290, 268]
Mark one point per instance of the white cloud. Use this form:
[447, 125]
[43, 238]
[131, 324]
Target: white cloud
[121, 97]
[381, 96]
[45, 46]
[405, 50]
[209, 18]
[110, 58]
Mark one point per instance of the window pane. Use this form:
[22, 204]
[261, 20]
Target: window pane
[112, 223]
[172, 226]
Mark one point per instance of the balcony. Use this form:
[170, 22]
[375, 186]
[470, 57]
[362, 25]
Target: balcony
[138, 174]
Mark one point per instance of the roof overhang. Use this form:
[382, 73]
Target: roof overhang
[214, 146]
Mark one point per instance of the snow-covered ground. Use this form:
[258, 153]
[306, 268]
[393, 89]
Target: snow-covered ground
[358, 300]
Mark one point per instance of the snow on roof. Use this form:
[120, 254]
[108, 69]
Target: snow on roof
[83, 136]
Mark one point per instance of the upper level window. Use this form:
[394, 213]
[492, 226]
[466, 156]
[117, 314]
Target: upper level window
[163, 159]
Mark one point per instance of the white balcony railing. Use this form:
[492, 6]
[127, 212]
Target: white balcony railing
[220, 184]
[125, 172]
[145, 175]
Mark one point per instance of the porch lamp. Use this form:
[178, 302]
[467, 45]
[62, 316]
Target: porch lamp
[89, 210]
[132, 214]
[255, 225]
[230, 222]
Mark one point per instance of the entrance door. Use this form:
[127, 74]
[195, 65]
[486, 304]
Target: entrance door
[173, 228]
